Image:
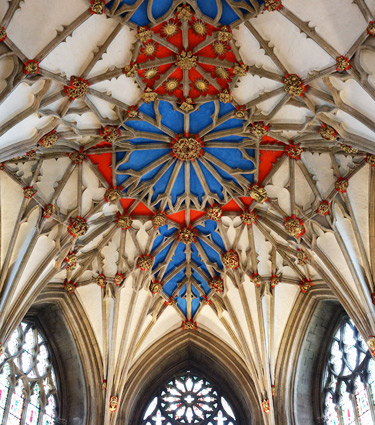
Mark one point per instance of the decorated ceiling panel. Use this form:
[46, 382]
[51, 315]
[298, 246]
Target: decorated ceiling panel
[202, 165]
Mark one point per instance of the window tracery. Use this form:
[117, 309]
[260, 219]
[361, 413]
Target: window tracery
[189, 399]
[349, 379]
[28, 394]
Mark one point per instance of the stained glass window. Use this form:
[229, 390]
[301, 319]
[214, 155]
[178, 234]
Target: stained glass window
[189, 399]
[28, 394]
[349, 379]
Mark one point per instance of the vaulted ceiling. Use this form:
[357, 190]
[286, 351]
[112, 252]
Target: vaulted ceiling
[200, 165]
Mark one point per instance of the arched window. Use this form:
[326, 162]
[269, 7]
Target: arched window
[349, 379]
[28, 393]
[189, 399]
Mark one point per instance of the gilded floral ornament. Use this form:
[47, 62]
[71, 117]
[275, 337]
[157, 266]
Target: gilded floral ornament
[156, 286]
[171, 85]
[170, 301]
[230, 259]
[220, 48]
[206, 300]
[342, 64]
[225, 96]
[199, 27]
[124, 222]
[31, 155]
[187, 105]
[143, 34]
[3, 34]
[97, 7]
[48, 210]
[348, 149]
[189, 325]
[259, 129]
[150, 49]
[371, 28]
[78, 227]
[216, 284]
[113, 404]
[159, 219]
[370, 159]
[302, 257]
[186, 60]
[119, 278]
[69, 286]
[77, 157]
[240, 69]
[294, 151]
[31, 67]
[275, 280]
[187, 147]
[328, 133]
[240, 112]
[77, 89]
[110, 133]
[132, 112]
[201, 85]
[150, 73]
[371, 345]
[256, 279]
[266, 406]
[71, 261]
[305, 285]
[214, 212]
[149, 95]
[258, 193]
[323, 208]
[29, 192]
[187, 235]
[169, 29]
[145, 262]
[294, 226]
[101, 280]
[221, 73]
[112, 195]
[224, 34]
[341, 184]
[49, 139]
[131, 70]
[293, 85]
[184, 13]
[249, 217]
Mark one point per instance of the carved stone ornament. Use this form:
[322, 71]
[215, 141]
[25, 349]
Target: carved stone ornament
[371, 345]
[101, 280]
[275, 280]
[240, 69]
[2, 349]
[112, 195]
[258, 193]
[216, 284]
[143, 34]
[187, 148]
[170, 301]
[187, 105]
[189, 325]
[77, 157]
[145, 262]
[305, 285]
[110, 134]
[328, 133]
[159, 219]
[31, 67]
[149, 95]
[77, 89]
[187, 235]
[256, 279]
[69, 286]
[302, 257]
[49, 139]
[119, 278]
[249, 217]
[156, 286]
[294, 85]
[97, 7]
[205, 300]
[31, 155]
[259, 129]
[224, 34]
[29, 192]
[132, 112]
[150, 73]
[342, 64]
[294, 226]
[184, 13]
[230, 259]
[371, 28]
[78, 227]
[266, 406]
[48, 210]
[113, 404]
[71, 261]
[186, 60]
[225, 96]
[124, 221]
[370, 159]
[323, 208]
[214, 212]
[348, 149]
[294, 151]
[131, 70]
[3, 34]
[341, 184]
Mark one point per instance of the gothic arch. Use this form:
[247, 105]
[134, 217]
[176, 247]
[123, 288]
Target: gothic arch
[200, 352]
